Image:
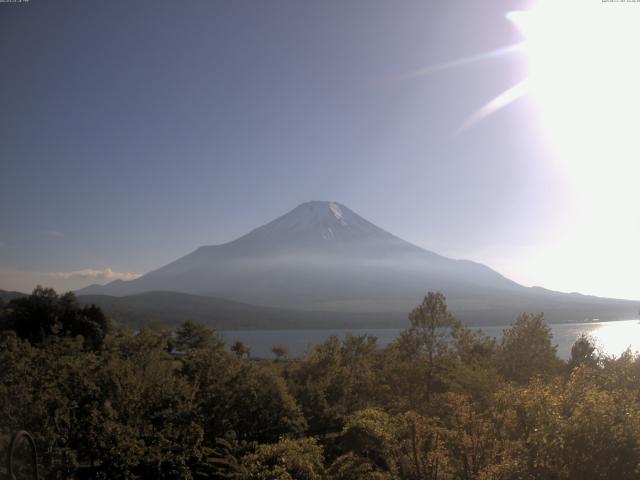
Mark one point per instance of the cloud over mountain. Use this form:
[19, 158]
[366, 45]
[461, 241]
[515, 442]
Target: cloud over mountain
[13, 279]
[106, 274]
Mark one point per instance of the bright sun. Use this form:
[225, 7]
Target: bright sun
[583, 83]
[584, 80]
[583, 86]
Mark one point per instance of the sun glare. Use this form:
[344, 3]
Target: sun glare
[583, 87]
[584, 80]
[583, 84]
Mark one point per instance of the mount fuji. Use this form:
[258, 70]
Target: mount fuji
[323, 257]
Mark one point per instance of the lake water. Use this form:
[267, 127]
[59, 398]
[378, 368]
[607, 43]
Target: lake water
[612, 337]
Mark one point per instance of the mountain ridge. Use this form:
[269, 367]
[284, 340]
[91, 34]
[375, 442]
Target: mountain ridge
[322, 256]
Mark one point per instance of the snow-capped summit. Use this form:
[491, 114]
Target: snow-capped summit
[337, 212]
[321, 251]
[314, 225]
[323, 256]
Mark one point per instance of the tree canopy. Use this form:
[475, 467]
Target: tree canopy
[44, 314]
[440, 402]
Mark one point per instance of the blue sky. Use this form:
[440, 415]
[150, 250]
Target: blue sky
[133, 132]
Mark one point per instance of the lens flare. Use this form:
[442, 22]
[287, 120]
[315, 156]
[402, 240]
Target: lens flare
[582, 84]
[584, 88]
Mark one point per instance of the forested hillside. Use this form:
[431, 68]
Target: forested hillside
[441, 402]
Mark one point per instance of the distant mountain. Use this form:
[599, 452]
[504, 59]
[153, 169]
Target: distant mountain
[174, 307]
[321, 256]
[317, 254]
[7, 296]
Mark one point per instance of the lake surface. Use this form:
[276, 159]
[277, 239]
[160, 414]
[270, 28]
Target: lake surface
[612, 337]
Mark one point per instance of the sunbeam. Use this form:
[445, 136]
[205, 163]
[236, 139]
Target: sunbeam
[505, 98]
[461, 62]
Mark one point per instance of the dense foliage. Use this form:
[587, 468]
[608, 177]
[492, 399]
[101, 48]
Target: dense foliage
[441, 402]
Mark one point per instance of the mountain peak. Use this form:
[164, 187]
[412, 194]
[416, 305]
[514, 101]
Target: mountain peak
[322, 209]
[323, 256]
[332, 207]
[337, 212]
[315, 223]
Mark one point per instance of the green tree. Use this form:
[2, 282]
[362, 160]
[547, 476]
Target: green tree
[430, 337]
[470, 440]
[35, 317]
[247, 398]
[193, 336]
[366, 440]
[584, 352]
[288, 459]
[527, 350]
[280, 351]
[382, 446]
[529, 421]
[146, 417]
[241, 349]
[474, 372]
[336, 379]
[45, 313]
[601, 429]
[418, 451]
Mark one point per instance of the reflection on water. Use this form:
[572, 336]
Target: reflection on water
[613, 338]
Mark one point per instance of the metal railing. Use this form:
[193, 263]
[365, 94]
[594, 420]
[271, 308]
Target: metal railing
[34, 454]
